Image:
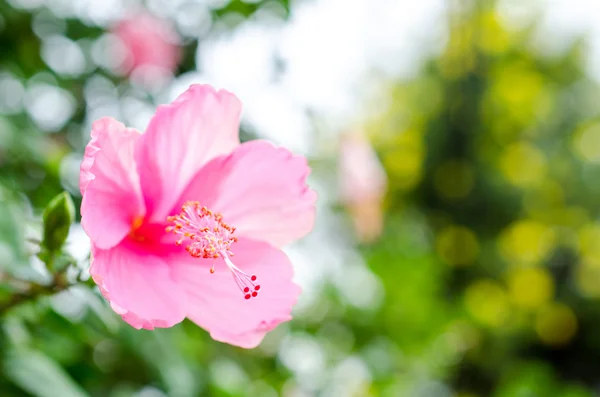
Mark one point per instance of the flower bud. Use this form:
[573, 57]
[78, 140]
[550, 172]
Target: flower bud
[58, 216]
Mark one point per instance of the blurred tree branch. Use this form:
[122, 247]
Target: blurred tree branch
[34, 290]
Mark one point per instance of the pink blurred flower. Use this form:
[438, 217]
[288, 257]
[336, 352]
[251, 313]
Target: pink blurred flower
[149, 42]
[363, 184]
[187, 222]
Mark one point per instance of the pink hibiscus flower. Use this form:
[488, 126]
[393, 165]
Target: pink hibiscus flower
[149, 42]
[187, 222]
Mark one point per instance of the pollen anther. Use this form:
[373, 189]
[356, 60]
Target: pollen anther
[204, 232]
[206, 236]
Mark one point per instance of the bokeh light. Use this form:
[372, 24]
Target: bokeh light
[487, 301]
[526, 242]
[530, 287]
[556, 324]
[457, 246]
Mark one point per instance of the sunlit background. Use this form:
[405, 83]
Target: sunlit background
[455, 147]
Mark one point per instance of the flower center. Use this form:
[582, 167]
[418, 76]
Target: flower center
[205, 235]
[136, 224]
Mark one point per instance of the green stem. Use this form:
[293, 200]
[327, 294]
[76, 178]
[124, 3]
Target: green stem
[59, 283]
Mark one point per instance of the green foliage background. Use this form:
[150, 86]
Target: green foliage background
[488, 266]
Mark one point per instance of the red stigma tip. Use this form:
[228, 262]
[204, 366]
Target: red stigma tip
[205, 235]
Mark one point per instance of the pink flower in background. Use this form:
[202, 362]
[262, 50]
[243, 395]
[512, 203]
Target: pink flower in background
[363, 184]
[187, 222]
[149, 42]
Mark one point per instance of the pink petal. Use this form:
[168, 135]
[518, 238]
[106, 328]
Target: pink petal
[109, 183]
[260, 190]
[85, 176]
[216, 304]
[198, 126]
[139, 286]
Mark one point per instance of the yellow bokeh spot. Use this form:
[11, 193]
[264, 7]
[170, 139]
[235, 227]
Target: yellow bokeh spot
[589, 243]
[405, 167]
[518, 89]
[410, 140]
[586, 143]
[587, 279]
[404, 161]
[546, 195]
[457, 246]
[494, 38]
[523, 164]
[556, 324]
[530, 287]
[487, 302]
[454, 179]
[526, 242]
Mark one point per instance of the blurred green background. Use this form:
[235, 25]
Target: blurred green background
[483, 278]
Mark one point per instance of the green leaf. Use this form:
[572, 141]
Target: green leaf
[40, 376]
[58, 216]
